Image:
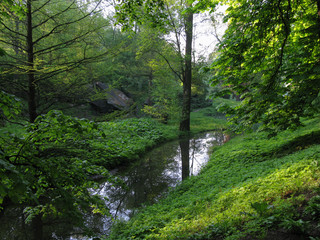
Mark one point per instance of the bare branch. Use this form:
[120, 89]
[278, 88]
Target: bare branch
[63, 44]
[53, 16]
[70, 66]
[66, 24]
[15, 32]
[42, 6]
[12, 44]
[169, 64]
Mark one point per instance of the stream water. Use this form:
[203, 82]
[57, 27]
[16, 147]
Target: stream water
[147, 180]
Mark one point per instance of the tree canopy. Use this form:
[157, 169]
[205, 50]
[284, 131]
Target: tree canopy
[53, 51]
[53, 38]
[270, 56]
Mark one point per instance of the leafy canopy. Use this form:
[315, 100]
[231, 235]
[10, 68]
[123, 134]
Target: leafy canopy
[270, 56]
[49, 168]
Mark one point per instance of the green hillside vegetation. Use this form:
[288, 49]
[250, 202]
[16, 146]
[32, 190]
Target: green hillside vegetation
[69, 155]
[210, 118]
[254, 187]
[87, 87]
[117, 142]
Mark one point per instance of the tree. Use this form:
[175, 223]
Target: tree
[49, 170]
[162, 18]
[270, 56]
[7, 7]
[55, 37]
[187, 76]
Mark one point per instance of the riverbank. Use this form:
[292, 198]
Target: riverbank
[70, 154]
[127, 140]
[254, 187]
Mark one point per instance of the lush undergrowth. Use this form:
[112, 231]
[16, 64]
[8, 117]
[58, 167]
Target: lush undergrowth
[126, 140]
[119, 141]
[254, 187]
[204, 120]
[123, 141]
[209, 118]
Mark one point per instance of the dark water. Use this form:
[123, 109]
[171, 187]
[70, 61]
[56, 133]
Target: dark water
[147, 180]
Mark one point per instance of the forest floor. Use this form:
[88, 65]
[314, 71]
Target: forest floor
[254, 187]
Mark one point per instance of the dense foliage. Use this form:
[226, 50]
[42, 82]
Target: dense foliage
[7, 7]
[53, 52]
[270, 56]
[44, 45]
[252, 186]
[49, 170]
[50, 166]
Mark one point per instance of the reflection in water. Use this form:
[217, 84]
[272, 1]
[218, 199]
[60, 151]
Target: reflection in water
[184, 149]
[147, 180]
[157, 172]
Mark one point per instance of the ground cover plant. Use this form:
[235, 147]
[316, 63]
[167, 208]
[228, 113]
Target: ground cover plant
[209, 118]
[201, 121]
[253, 187]
[49, 166]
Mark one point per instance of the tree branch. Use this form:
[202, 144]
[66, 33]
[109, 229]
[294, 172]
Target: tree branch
[9, 29]
[169, 64]
[285, 22]
[42, 6]
[66, 24]
[53, 16]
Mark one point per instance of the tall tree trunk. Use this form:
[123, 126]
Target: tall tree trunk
[185, 158]
[318, 9]
[32, 107]
[186, 104]
[37, 227]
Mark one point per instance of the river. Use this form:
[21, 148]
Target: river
[147, 180]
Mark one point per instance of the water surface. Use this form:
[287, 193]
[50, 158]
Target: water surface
[147, 180]
[159, 170]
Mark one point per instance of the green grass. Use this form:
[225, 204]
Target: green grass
[126, 140]
[200, 122]
[252, 186]
[209, 118]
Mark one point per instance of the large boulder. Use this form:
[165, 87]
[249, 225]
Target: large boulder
[113, 99]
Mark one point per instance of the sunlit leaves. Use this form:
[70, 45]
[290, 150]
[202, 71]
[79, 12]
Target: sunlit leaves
[131, 13]
[50, 169]
[269, 56]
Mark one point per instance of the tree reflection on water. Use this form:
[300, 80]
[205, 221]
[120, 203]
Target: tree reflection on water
[145, 181]
[158, 171]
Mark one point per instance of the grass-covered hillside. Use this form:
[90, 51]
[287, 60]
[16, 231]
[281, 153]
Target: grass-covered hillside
[254, 187]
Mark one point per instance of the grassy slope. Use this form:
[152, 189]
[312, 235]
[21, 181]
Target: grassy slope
[253, 186]
[202, 120]
[209, 118]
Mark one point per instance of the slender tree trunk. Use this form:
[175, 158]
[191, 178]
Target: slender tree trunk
[37, 227]
[186, 104]
[318, 9]
[30, 72]
[185, 158]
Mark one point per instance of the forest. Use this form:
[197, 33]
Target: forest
[108, 109]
